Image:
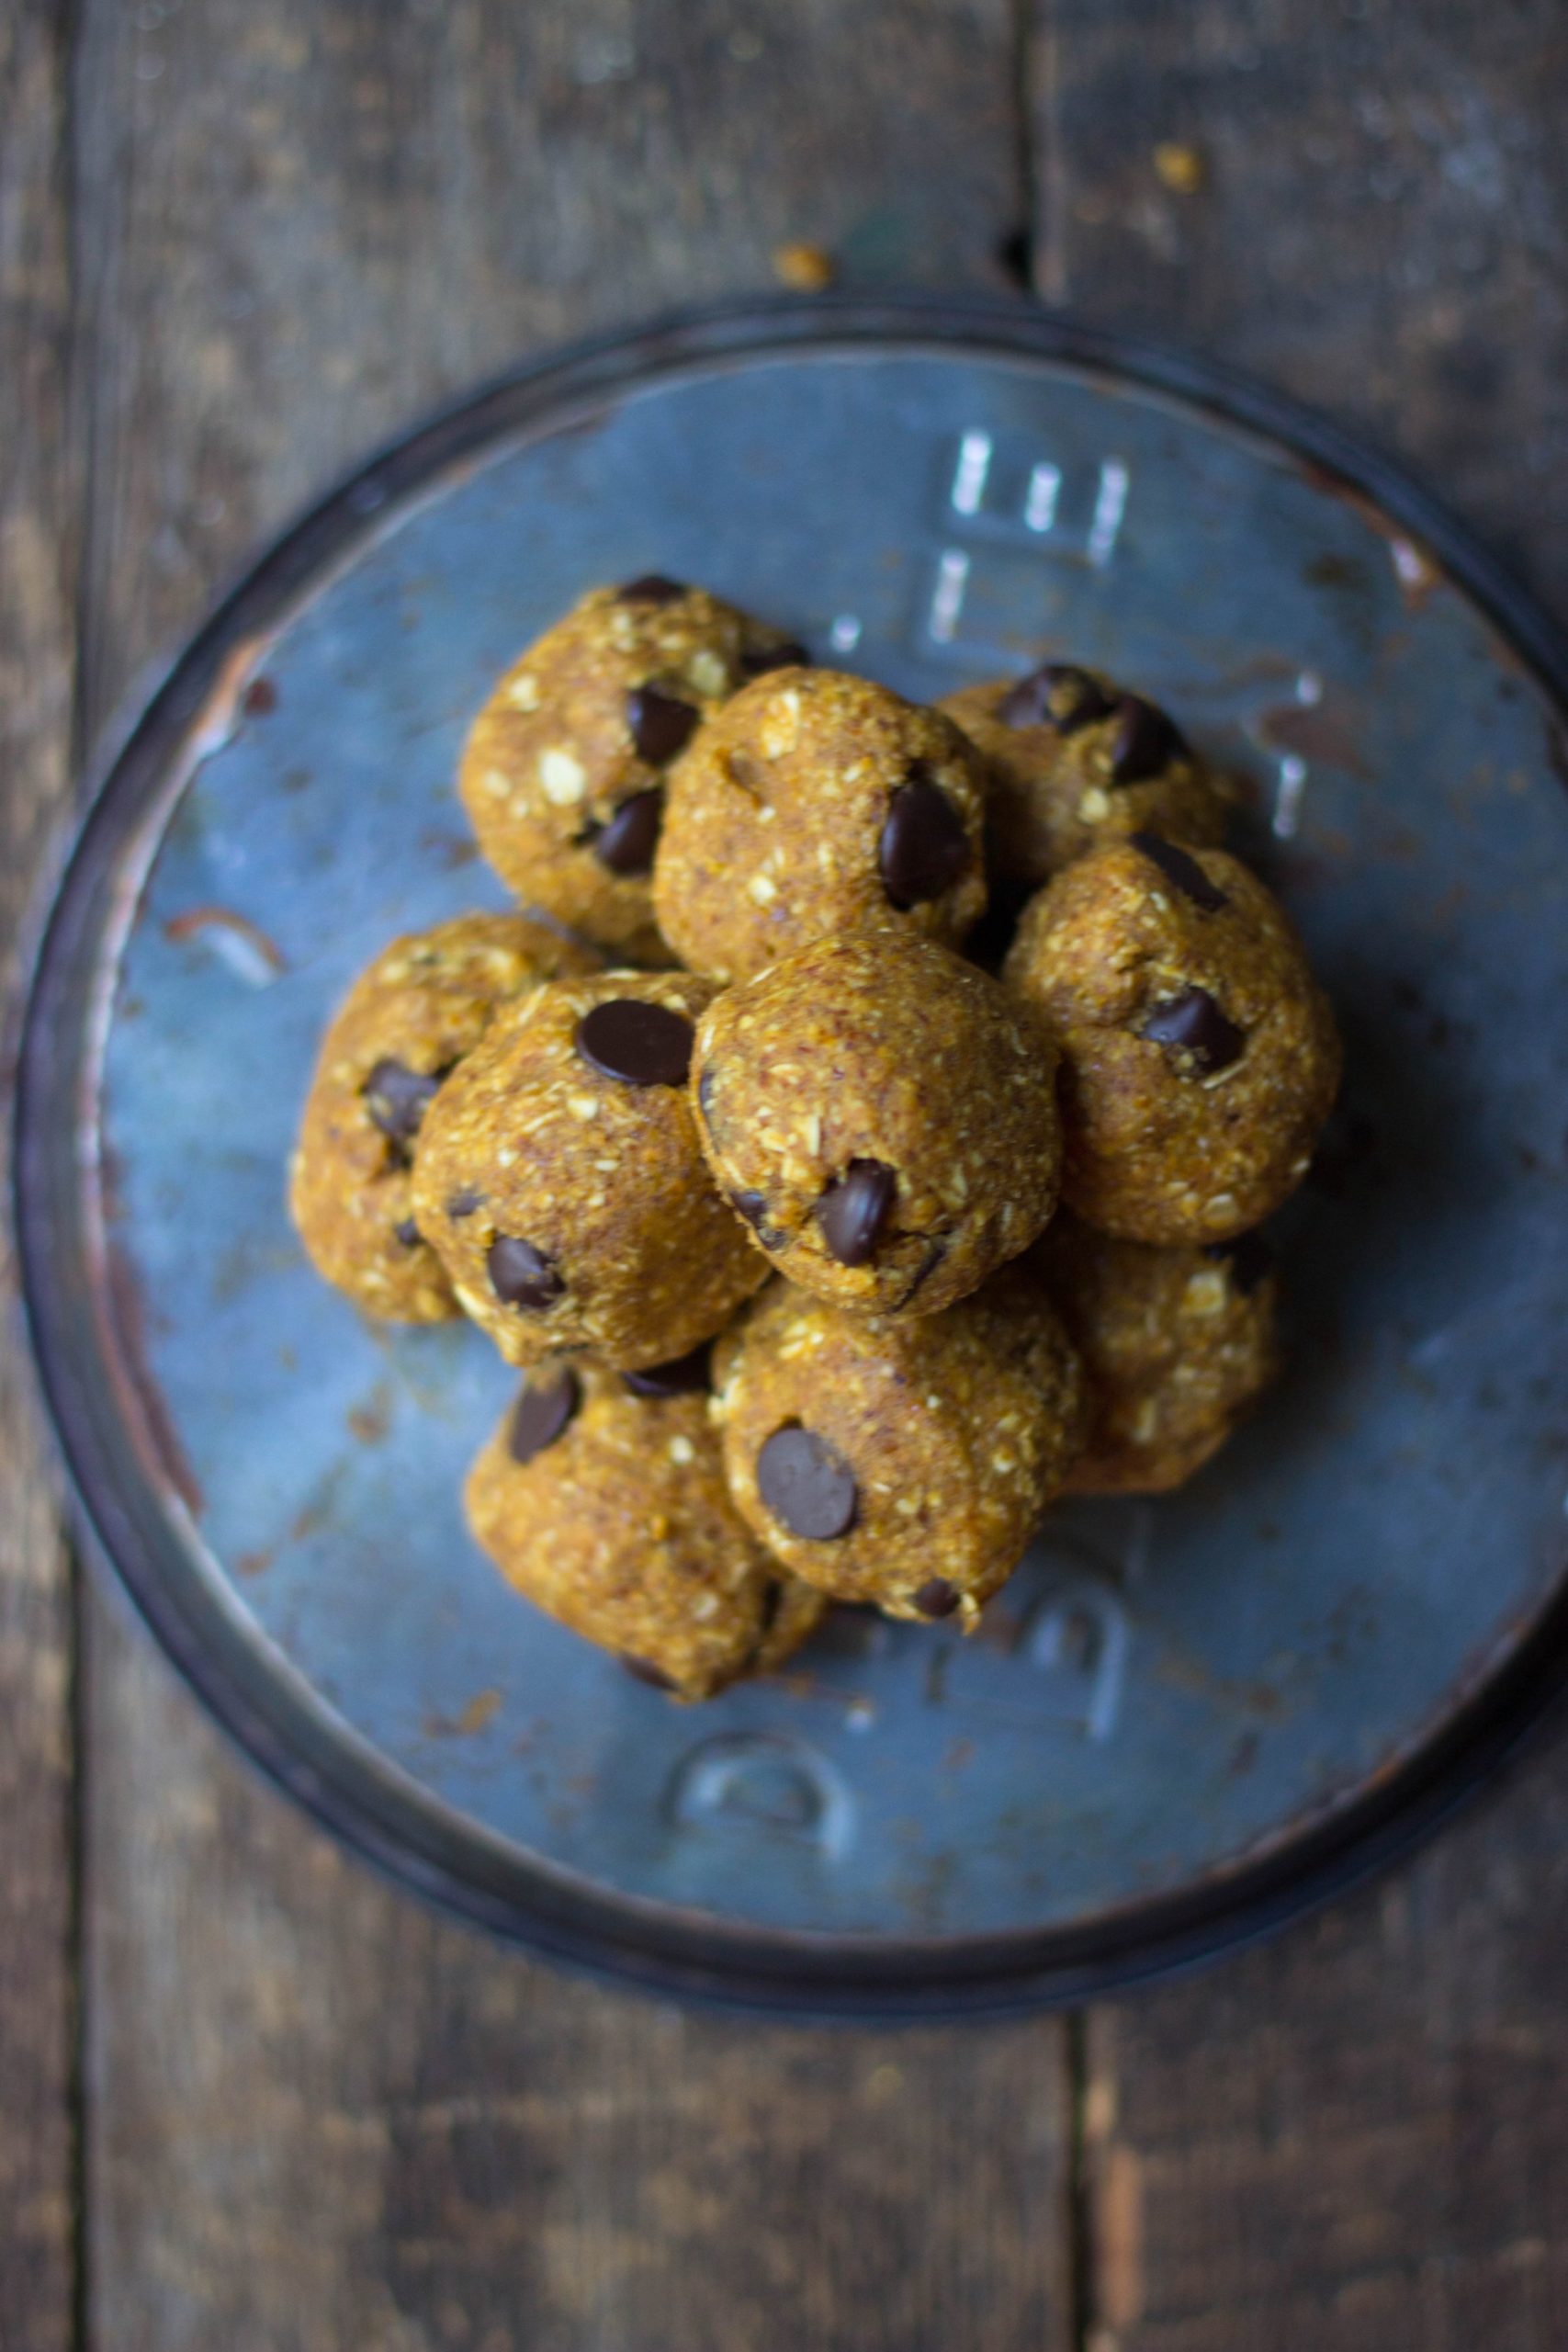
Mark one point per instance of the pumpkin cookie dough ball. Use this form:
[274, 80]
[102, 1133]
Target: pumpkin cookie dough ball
[816, 803]
[604, 1504]
[1073, 762]
[884, 1117]
[1175, 1345]
[904, 1464]
[1200, 1056]
[421, 1005]
[560, 1179]
[563, 776]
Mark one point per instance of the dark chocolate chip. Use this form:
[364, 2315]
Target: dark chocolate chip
[1185, 872]
[545, 1408]
[808, 1487]
[651, 588]
[398, 1099]
[1193, 1022]
[661, 724]
[1056, 695]
[626, 844]
[642, 1669]
[756, 660]
[521, 1275]
[924, 847]
[1250, 1258]
[854, 1210]
[1145, 743]
[937, 1599]
[464, 1203]
[682, 1376]
[407, 1233]
[752, 1207]
[640, 1044]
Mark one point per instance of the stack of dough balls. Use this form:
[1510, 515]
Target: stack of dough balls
[829, 1256]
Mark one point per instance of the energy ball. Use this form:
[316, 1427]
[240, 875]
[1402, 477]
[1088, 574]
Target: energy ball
[1200, 1056]
[884, 1117]
[816, 804]
[903, 1464]
[560, 1182]
[424, 1003]
[606, 1505]
[1075, 762]
[563, 774]
[1177, 1343]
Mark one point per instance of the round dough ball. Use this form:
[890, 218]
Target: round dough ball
[1177, 1343]
[884, 1117]
[608, 1507]
[904, 1464]
[816, 803]
[1200, 1056]
[560, 1178]
[563, 774]
[1075, 762]
[421, 1005]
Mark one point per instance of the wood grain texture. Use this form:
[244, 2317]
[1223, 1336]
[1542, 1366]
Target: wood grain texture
[1350, 2141]
[319, 2119]
[1381, 227]
[37, 598]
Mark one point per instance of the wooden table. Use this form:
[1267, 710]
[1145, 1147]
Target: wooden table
[251, 2101]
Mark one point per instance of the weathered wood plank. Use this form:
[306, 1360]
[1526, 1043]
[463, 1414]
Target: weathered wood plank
[319, 2118]
[1351, 2140]
[1382, 226]
[37, 597]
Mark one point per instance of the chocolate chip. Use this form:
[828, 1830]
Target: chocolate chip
[1145, 743]
[924, 847]
[626, 844]
[661, 724]
[398, 1099]
[1193, 1022]
[640, 1044]
[407, 1233]
[464, 1203]
[1249, 1257]
[545, 1408]
[642, 1669]
[854, 1210]
[756, 660]
[937, 1599]
[1183, 871]
[684, 1375]
[753, 1207]
[521, 1275]
[651, 588]
[809, 1488]
[1056, 695]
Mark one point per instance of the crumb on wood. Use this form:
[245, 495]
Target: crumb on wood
[807, 268]
[1180, 166]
